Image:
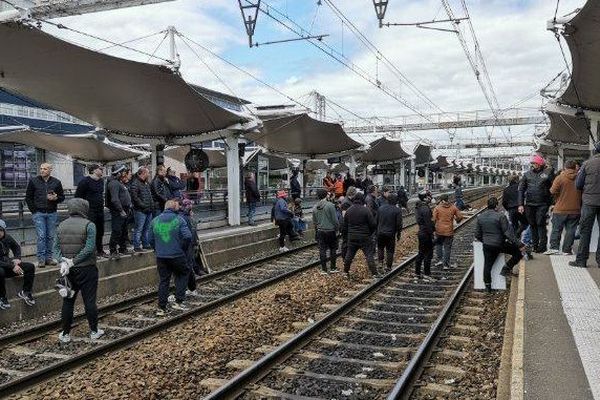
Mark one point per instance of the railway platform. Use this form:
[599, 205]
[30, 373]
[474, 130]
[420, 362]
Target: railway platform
[556, 351]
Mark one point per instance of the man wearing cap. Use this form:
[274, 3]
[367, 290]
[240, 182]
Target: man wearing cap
[534, 200]
[44, 192]
[91, 188]
[588, 181]
[118, 202]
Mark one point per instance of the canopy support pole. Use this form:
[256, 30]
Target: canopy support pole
[561, 158]
[303, 182]
[233, 179]
[352, 166]
[402, 173]
[413, 176]
[594, 131]
[426, 176]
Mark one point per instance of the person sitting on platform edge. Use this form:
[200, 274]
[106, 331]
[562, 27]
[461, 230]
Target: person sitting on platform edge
[297, 221]
[326, 227]
[170, 237]
[588, 180]
[497, 236]
[43, 194]
[566, 210]
[75, 246]
[444, 215]
[10, 267]
[91, 188]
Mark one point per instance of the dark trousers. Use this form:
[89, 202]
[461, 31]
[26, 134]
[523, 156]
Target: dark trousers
[28, 275]
[588, 215]
[568, 222]
[518, 221]
[327, 241]
[97, 217]
[84, 280]
[366, 245]
[167, 267]
[490, 253]
[118, 234]
[344, 249]
[425, 253]
[285, 228]
[386, 244]
[536, 215]
[443, 246]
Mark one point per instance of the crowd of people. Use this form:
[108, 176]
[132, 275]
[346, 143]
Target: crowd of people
[363, 216]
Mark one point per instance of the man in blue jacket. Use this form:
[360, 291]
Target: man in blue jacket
[170, 237]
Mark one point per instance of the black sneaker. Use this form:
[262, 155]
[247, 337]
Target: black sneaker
[4, 304]
[27, 297]
[505, 271]
[147, 248]
[114, 255]
[52, 263]
[103, 254]
[488, 288]
[577, 264]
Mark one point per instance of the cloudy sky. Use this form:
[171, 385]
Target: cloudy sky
[521, 55]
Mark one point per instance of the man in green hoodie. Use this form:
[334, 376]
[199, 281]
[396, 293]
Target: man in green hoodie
[326, 226]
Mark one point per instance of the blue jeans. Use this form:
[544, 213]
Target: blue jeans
[140, 231]
[251, 212]
[45, 229]
[568, 222]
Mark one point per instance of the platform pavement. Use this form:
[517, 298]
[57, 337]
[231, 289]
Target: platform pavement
[561, 330]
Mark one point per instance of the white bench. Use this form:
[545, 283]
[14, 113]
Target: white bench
[498, 281]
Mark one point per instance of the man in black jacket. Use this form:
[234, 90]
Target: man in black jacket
[43, 194]
[497, 237]
[295, 188]
[143, 207]
[510, 202]
[252, 196]
[118, 202]
[535, 199]
[10, 267]
[424, 218]
[389, 227]
[161, 191]
[91, 188]
[358, 228]
[402, 197]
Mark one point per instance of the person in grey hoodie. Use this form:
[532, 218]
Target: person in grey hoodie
[326, 227]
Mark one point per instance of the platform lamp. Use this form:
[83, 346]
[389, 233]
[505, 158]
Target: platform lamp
[380, 9]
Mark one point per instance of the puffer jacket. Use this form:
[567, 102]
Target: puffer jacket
[424, 218]
[359, 223]
[141, 195]
[444, 216]
[389, 220]
[588, 180]
[493, 229]
[534, 188]
[36, 195]
[161, 192]
[510, 196]
[567, 197]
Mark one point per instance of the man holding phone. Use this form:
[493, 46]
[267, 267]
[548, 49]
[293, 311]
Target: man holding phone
[44, 192]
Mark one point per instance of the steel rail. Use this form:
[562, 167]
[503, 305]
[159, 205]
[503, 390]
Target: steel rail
[236, 386]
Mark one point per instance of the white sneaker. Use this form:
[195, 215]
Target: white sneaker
[180, 306]
[171, 298]
[193, 293]
[439, 264]
[323, 272]
[428, 278]
[283, 249]
[64, 338]
[96, 335]
[160, 312]
[551, 252]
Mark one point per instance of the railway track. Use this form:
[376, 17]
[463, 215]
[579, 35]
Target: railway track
[34, 354]
[358, 350]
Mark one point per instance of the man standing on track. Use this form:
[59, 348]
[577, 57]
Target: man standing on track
[424, 219]
[444, 216]
[497, 237]
[91, 188]
[283, 218]
[510, 202]
[535, 199]
[359, 227]
[326, 227]
[389, 228]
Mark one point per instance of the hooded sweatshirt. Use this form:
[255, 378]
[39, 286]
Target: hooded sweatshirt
[444, 216]
[568, 198]
[424, 218]
[324, 217]
[76, 236]
[8, 244]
